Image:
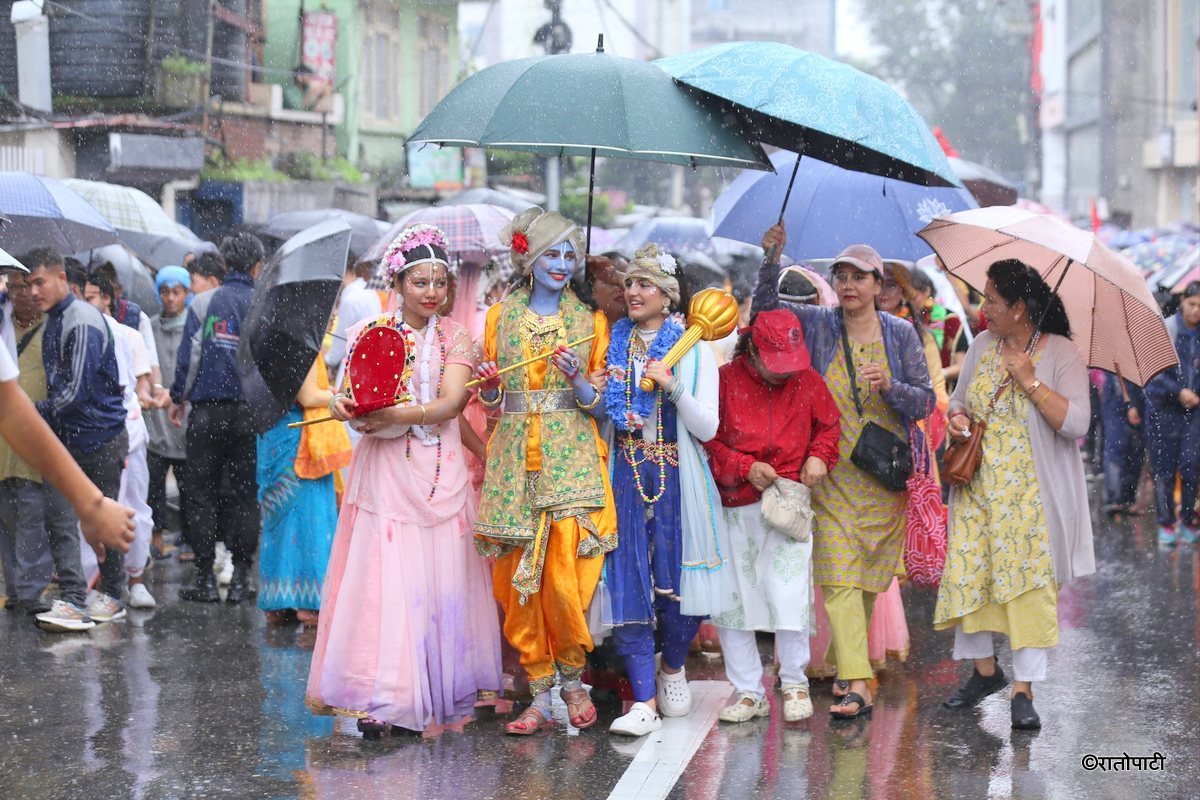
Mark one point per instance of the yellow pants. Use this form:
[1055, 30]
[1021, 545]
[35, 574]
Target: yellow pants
[849, 610]
[551, 628]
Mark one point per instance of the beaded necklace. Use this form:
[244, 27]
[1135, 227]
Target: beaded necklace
[408, 436]
[1030, 350]
[656, 453]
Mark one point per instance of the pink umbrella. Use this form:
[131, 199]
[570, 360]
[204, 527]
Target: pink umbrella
[1192, 275]
[473, 230]
[1116, 323]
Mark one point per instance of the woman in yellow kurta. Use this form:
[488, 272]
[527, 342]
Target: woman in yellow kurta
[546, 513]
[1020, 527]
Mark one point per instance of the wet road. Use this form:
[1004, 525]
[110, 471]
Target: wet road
[206, 701]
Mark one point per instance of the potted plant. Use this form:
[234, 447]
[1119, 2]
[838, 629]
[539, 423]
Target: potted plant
[180, 82]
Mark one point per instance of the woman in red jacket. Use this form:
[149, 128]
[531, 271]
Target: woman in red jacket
[778, 420]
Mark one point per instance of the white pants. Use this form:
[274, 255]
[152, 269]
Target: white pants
[743, 665]
[135, 487]
[1029, 663]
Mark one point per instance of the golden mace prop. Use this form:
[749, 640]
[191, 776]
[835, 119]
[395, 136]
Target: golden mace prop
[712, 315]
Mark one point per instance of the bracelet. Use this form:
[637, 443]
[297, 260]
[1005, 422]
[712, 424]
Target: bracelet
[1038, 403]
[589, 406]
[333, 401]
[492, 403]
[674, 390]
[422, 422]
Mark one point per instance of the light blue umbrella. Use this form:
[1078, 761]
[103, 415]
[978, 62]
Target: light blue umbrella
[833, 207]
[814, 105]
[45, 213]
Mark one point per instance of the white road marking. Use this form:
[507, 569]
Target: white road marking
[661, 760]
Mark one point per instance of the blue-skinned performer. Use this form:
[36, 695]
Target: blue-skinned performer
[546, 512]
[668, 510]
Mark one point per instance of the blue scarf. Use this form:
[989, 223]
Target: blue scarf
[618, 359]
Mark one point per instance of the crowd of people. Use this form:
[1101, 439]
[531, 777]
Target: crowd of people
[519, 492]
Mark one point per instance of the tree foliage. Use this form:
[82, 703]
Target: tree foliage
[964, 64]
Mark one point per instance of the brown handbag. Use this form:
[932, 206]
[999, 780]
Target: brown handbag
[962, 458]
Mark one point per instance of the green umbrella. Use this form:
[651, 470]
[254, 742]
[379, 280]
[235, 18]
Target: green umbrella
[588, 104]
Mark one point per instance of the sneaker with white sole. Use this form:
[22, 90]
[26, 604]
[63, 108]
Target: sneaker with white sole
[140, 597]
[797, 705]
[105, 609]
[64, 616]
[748, 706]
[640, 720]
[674, 695]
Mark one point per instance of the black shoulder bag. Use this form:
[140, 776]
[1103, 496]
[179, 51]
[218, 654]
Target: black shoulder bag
[878, 452]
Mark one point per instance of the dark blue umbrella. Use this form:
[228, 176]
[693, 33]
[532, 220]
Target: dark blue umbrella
[45, 213]
[833, 207]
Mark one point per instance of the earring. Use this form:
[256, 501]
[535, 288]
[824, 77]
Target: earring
[666, 308]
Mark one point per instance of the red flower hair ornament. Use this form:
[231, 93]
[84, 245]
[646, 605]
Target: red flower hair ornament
[520, 243]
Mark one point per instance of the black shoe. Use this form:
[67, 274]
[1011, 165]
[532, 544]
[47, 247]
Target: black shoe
[33, 607]
[204, 590]
[1024, 716]
[239, 585]
[975, 689]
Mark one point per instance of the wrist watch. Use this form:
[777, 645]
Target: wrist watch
[1033, 387]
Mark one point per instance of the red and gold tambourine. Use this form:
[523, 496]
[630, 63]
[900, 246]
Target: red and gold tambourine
[378, 368]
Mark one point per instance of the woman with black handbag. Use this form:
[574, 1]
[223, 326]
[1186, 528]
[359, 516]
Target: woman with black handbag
[875, 368]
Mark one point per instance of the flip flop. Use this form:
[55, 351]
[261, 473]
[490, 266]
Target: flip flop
[863, 709]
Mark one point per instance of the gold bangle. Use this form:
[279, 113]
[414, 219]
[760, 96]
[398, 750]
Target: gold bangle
[422, 422]
[595, 400]
[493, 403]
[1038, 403]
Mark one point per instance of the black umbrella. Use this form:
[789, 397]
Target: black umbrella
[293, 301]
[364, 230]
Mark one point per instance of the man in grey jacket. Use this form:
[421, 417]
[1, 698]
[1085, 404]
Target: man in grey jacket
[167, 450]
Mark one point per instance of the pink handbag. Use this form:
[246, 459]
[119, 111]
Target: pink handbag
[925, 525]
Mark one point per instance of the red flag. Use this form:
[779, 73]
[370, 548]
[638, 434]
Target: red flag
[1096, 221]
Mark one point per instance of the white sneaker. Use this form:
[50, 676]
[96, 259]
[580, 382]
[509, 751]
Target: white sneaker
[743, 711]
[640, 720]
[64, 616]
[797, 705]
[225, 573]
[140, 597]
[674, 695]
[105, 609]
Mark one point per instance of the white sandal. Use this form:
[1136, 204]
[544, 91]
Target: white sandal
[640, 720]
[741, 711]
[797, 705]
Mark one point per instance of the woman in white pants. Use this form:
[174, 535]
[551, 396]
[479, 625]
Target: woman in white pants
[778, 423]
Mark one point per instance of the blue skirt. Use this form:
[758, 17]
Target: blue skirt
[644, 570]
[299, 517]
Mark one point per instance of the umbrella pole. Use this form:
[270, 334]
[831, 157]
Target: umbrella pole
[1054, 291]
[773, 254]
[591, 193]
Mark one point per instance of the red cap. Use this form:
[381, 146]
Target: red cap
[780, 342]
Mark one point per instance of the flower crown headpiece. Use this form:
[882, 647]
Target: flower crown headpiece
[419, 235]
[651, 257]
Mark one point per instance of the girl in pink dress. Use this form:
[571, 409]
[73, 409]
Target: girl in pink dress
[408, 631]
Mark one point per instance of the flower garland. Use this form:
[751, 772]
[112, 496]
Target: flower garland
[426, 394]
[419, 235]
[629, 413]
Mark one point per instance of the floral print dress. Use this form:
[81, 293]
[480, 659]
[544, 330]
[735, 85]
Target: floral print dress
[999, 574]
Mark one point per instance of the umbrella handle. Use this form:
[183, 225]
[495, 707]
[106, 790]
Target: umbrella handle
[773, 253]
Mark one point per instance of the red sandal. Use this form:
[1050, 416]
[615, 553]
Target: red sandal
[529, 722]
[580, 709]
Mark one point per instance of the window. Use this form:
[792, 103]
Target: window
[1185, 58]
[433, 38]
[380, 61]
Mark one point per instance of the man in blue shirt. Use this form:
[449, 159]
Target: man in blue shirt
[221, 441]
[85, 408]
